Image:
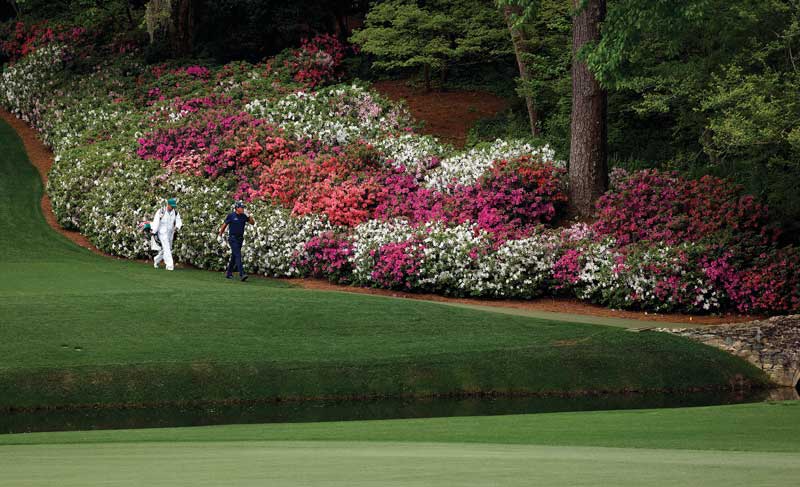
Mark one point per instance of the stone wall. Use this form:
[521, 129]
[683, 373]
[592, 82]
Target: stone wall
[773, 345]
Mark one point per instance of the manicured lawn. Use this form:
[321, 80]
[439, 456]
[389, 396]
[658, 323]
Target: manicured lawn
[81, 329]
[753, 444]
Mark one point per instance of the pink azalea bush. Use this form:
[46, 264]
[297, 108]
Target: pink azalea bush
[664, 207]
[397, 265]
[694, 245]
[326, 255]
[23, 39]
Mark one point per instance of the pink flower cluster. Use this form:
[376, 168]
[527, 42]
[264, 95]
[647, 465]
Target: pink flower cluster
[509, 201]
[317, 61]
[768, 283]
[326, 255]
[742, 257]
[663, 207]
[397, 265]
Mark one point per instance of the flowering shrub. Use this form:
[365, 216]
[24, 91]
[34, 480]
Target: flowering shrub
[770, 283]
[335, 115]
[465, 169]
[317, 61]
[326, 255]
[397, 265]
[24, 39]
[664, 207]
[342, 187]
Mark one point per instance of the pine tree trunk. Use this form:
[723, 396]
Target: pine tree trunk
[182, 27]
[588, 167]
[518, 41]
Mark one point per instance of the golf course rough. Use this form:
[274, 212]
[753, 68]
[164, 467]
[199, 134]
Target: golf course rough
[78, 329]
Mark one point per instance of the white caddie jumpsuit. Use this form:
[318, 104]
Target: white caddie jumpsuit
[164, 224]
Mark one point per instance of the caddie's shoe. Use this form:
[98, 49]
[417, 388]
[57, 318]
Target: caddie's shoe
[244, 278]
[155, 266]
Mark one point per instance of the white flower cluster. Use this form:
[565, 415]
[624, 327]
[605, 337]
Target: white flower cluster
[26, 84]
[466, 168]
[337, 115]
[597, 275]
[277, 238]
[367, 238]
[518, 268]
[643, 284]
[450, 257]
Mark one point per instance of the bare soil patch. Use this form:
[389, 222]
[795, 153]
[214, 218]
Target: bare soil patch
[449, 114]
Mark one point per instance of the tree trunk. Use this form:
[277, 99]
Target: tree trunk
[128, 11]
[182, 27]
[588, 167]
[518, 40]
[426, 73]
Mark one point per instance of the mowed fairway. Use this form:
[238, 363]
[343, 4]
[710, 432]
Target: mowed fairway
[81, 329]
[744, 445]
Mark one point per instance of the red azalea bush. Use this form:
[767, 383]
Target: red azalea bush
[512, 198]
[317, 61]
[227, 143]
[23, 38]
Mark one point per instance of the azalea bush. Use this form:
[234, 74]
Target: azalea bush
[343, 187]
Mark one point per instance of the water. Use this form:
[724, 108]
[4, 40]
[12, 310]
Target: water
[315, 411]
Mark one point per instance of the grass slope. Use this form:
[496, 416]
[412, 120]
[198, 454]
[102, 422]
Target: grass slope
[753, 444]
[81, 329]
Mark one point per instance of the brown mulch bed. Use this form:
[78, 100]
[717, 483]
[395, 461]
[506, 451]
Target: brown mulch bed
[42, 159]
[449, 114]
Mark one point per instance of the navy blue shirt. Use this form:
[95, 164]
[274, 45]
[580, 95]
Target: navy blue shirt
[236, 224]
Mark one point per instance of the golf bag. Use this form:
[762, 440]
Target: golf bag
[150, 238]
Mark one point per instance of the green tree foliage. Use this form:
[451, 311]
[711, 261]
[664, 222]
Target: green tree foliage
[432, 36]
[548, 35]
[720, 77]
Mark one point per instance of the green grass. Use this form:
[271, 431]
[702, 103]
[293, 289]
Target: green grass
[81, 329]
[753, 444]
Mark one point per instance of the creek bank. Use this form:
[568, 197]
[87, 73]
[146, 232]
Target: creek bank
[773, 345]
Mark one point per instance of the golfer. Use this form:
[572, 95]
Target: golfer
[235, 223]
[164, 225]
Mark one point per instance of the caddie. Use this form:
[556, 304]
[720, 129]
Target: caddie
[165, 223]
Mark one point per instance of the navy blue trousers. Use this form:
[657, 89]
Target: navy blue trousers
[235, 242]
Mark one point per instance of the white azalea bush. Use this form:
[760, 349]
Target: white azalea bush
[466, 168]
[28, 83]
[335, 115]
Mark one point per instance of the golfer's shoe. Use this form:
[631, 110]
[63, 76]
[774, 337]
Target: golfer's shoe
[244, 278]
[228, 276]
